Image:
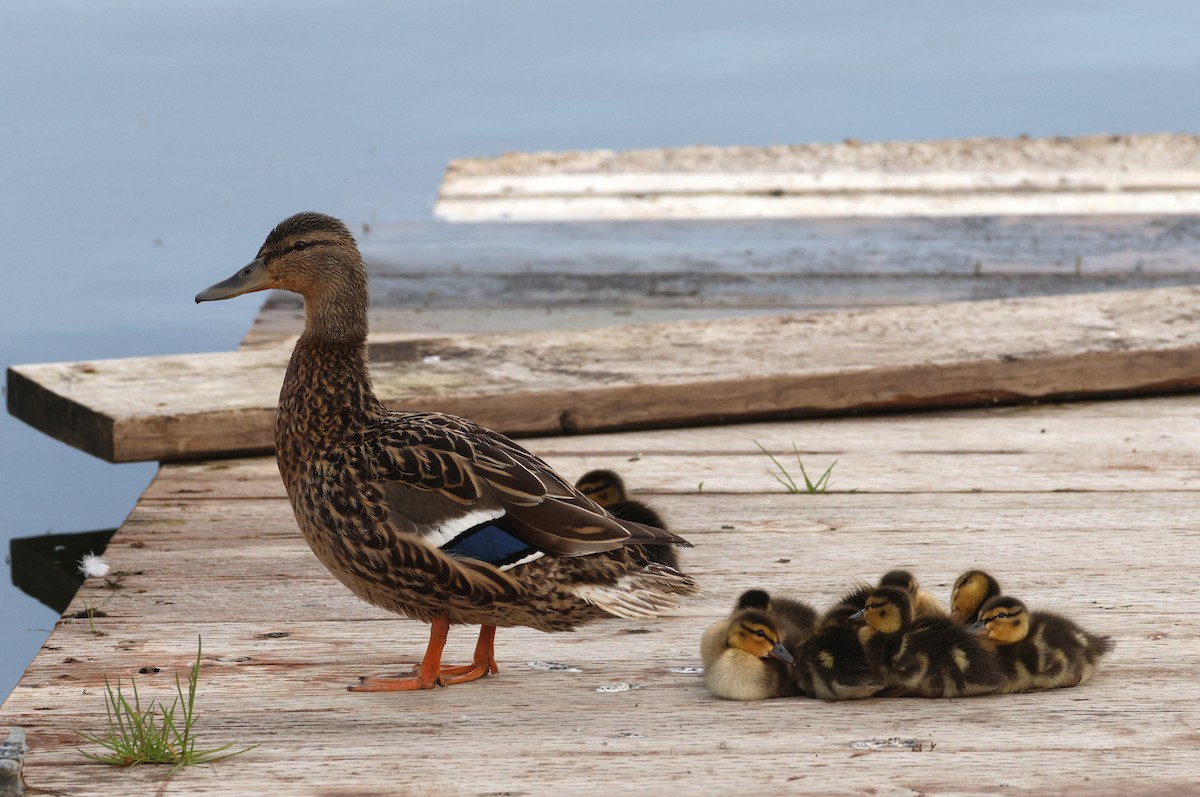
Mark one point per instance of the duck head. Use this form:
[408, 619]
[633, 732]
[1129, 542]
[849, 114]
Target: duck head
[754, 632]
[971, 590]
[1003, 620]
[888, 610]
[315, 256]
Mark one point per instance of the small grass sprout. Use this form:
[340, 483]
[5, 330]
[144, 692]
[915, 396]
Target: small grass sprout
[156, 734]
[781, 474]
[91, 617]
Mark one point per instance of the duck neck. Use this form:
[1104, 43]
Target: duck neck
[338, 314]
[327, 391]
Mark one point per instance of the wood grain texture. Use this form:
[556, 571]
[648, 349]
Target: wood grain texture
[645, 376]
[212, 551]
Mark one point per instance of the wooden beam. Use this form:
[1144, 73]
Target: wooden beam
[1154, 173]
[434, 277]
[645, 376]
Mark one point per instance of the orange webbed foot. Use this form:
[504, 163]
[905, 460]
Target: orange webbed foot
[430, 672]
[394, 683]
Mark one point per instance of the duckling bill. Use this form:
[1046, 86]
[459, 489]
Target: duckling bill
[428, 515]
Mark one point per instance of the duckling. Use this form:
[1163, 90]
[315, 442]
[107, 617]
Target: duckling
[607, 489]
[1039, 650]
[924, 603]
[926, 656]
[603, 486]
[744, 657]
[830, 663]
[971, 590]
[428, 515]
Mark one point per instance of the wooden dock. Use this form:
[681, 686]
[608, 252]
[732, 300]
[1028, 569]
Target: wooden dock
[1087, 507]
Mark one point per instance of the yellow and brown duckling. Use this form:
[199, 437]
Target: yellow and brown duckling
[925, 656]
[971, 590]
[744, 656]
[830, 663]
[923, 602]
[424, 514]
[607, 489]
[1039, 650]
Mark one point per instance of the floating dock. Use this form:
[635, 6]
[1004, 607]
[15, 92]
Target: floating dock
[942, 420]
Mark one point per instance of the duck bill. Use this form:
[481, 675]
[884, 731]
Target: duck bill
[861, 614]
[251, 277]
[781, 653]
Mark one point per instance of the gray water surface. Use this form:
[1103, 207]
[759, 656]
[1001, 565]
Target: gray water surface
[146, 148]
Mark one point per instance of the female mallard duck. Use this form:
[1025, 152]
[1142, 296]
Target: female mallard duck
[429, 515]
[744, 655]
[923, 602]
[926, 656]
[971, 590]
[607, 489]
[1039, 650]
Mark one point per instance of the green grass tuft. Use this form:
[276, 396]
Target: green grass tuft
[156, 734]
[781, 474]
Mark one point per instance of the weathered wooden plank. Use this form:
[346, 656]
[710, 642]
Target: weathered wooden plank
[431, 265]
[1113, 560]
[644, 376]
[560, 275]
[1143, 444]
[937, 536]
[599, 197]
[1088, 174]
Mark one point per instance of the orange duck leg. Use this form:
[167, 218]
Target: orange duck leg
[430, 672]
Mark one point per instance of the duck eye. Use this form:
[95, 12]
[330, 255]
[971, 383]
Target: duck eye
[759, 633]
[299, 245]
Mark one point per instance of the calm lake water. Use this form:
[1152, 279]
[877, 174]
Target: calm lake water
[146, 148]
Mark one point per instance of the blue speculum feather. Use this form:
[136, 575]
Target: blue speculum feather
[490, 543]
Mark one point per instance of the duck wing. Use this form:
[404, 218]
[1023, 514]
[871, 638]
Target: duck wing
[474, 493]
